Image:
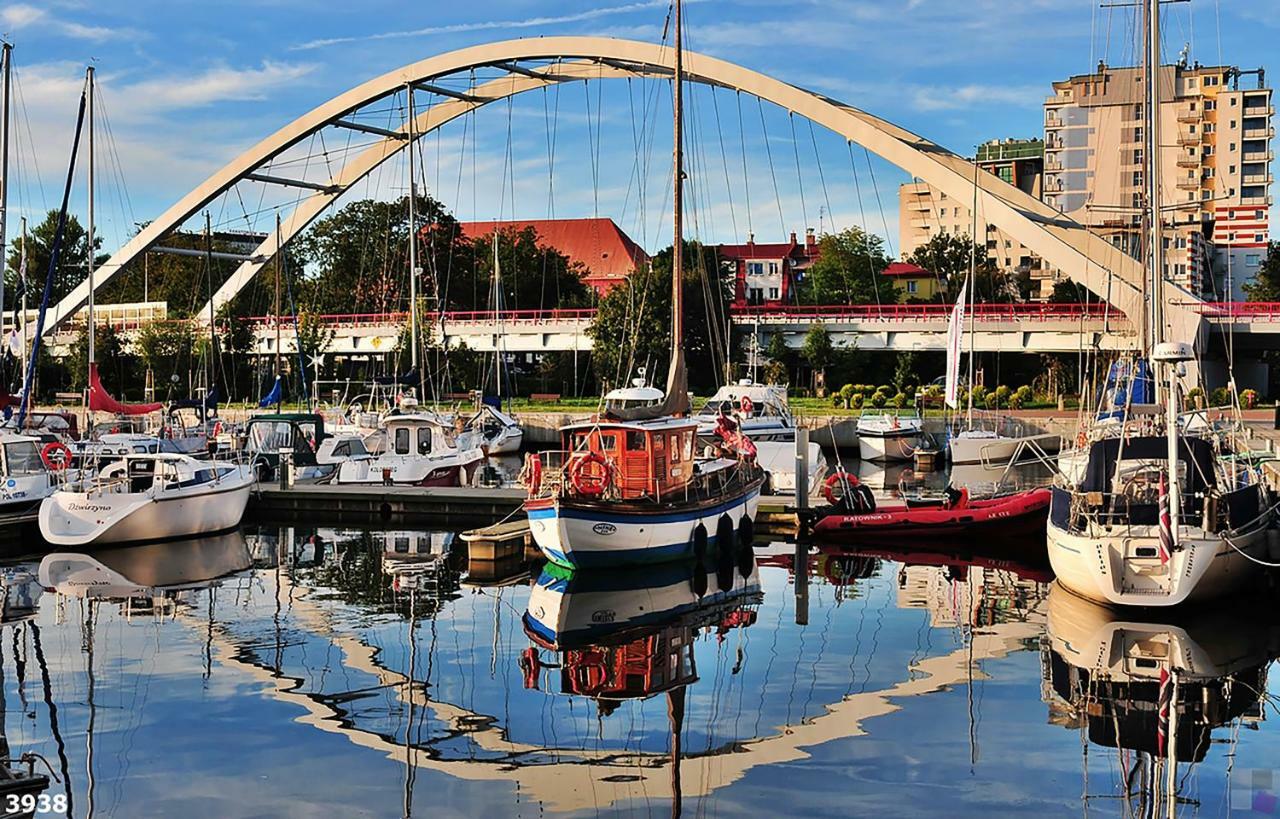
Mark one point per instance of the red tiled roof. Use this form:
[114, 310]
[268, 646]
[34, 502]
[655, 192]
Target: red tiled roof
[905, 269]
[763, 250]
[601, 246]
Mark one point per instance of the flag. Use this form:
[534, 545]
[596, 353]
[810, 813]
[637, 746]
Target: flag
[955, 334]
[1162, 714]
[1166, 524]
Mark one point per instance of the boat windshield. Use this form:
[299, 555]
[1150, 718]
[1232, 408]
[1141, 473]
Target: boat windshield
[23, 458]
[270, 436]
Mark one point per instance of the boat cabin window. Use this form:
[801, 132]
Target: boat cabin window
[424, 440]
[675, 448]
[270, 436]
[402, 441]
[635, 441]
[22, 458]
[1138, 480]
[142, 473]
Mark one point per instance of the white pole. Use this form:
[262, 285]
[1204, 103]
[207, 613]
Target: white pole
[89, 80]
[413, 240]
[7, 56]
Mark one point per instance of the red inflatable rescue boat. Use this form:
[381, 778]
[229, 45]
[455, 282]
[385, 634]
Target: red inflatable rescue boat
[857, 518]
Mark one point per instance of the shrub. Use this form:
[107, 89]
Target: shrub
[1249, 399]
[846, 391]
[909, 390]
[1002, 394]
[899, 400]
[992, 402]
[855, 401]
[885, 389]
[979, 394]
[1220, 397]
[878, 400]
[1024, 395]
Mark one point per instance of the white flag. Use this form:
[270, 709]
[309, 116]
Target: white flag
[955, 333]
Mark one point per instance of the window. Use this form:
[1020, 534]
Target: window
[773, 293]
[1210, 105]
[1233, 124]
[675, 448]
[1260, 214]
[635, 441]
[1253, 260]
[755, 268]
[609, 443]
[912, 286]
[1231, 169]
[1259, 237]
[773, 268]
[424, 440]
[402, 441]
[23, 458]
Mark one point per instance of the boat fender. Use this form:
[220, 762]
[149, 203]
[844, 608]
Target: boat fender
[864, 500]
[56, 455]
[746, 552]
[531, 664]
[589, 483]
[533, 479]
[746, 406]
[699, 578]
[724, 552]
[835, 479]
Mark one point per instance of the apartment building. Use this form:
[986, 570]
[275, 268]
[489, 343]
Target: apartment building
[1215, 166]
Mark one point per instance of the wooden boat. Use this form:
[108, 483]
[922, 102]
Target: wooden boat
[857, 516]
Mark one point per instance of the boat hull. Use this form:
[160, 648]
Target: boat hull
[595, 535]
[1127, 571]
[92, 519]
[995, 451]
[888, 446]
[450, 470]
[1023, 513]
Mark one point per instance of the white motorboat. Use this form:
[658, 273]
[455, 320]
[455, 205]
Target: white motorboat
[492, 430]
[147, 497]
[27, 473]
[997, 441]
[761, 410]
[421, 451]
[889, 435]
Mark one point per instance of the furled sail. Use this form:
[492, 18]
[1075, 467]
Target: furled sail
[101, 401]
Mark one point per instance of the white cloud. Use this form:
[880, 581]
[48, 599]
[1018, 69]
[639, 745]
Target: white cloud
[214, 85]
[942, 98]
[19, 15]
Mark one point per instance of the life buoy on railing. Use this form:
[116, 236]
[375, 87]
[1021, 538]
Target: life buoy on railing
[746, 406]
[585, 478]
[833, 480]
[533, 474]
[56, 455]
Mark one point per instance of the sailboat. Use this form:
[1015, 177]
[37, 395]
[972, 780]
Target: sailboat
[145, 495]
[1156, 512]
[628, 485]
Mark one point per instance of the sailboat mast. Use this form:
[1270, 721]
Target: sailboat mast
[677, 260]
[1155, 252]
[6, 54]
[279, 250]
[22, 282]
[89, 82]
[413, 243]
[497, 310]
[973, 273]
[208, 273]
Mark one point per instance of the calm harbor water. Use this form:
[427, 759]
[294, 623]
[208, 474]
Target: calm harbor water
[322, 672]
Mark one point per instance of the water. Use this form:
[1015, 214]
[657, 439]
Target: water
[348, 673]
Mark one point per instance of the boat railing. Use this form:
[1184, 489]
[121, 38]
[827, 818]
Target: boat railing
[1121, 512]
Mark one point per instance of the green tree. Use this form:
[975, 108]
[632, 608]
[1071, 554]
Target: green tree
[72, 259]
[166, 348]
[949, 257]
[117, 368]
[848, 270]
[534, 276]
[632, 327]
[1266, 284]
[818, 352]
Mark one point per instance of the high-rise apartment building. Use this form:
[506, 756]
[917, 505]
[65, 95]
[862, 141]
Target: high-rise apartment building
[1215, 166]
[924, 212]
[1216, 174]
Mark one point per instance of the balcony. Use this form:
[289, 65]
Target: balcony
[1053, 145]
[1257, 179]
[1259, 111]
[1188, 140]
[921, 224]
[1258, 156]
[1258, 133]
[1264, 201]
[1054, 123]
[1189, 116]
[1052, 165]
[1188, 184]
[1188, 162]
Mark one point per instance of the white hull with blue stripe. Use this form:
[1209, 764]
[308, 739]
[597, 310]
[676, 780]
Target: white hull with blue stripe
[587, 607]
[593, 535]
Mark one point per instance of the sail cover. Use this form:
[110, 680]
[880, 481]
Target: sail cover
[273, 397]
[955, 332]
[101, 401]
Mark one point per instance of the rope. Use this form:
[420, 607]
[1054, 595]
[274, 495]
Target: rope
[1227, 538]
[777, 197]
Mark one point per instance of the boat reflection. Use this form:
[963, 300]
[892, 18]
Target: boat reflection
[1155, 686]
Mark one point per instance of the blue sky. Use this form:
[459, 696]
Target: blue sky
[186, 86]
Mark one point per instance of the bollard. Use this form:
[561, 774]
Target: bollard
[802, 583]
[286, 468]
[802, 469]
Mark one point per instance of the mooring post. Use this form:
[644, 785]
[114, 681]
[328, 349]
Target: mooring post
[802, 470]
[802, 580]
[286, 464]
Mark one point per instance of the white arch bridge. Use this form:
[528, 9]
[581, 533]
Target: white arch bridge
[518, 66]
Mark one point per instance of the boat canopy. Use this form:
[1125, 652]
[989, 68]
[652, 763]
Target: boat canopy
[1196, 452]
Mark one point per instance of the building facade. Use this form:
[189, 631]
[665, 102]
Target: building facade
[1214, 167]
[765, 273]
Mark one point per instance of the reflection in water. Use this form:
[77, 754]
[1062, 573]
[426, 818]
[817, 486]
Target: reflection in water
[235, 676]
[1155, 689]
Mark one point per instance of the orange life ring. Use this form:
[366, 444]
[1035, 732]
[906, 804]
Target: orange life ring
[56, 463]
[587, 481]
[745, 405]
[533, 481]
[829, 487]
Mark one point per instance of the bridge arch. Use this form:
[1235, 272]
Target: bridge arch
[1062, 243]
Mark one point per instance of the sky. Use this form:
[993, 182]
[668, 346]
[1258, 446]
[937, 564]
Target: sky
[184, 87]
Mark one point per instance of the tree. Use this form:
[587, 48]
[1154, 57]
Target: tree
[1069, 292]
[817, 352]
[117, 368]
[950, 257]
[848, 270]
[166, 349]
[1266, 284]
[632, 327]
[534, 276]
[72, 258]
